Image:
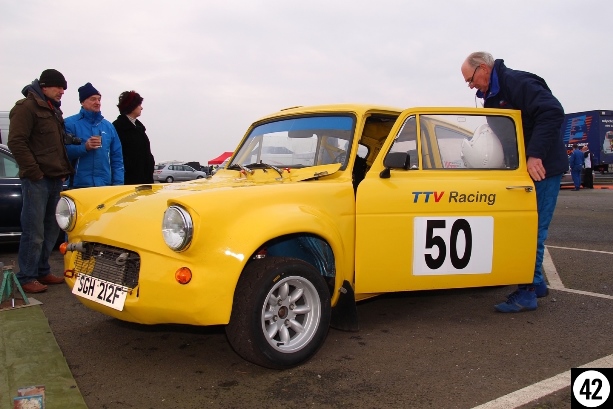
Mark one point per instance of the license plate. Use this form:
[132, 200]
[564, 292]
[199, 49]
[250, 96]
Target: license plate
[101, 291]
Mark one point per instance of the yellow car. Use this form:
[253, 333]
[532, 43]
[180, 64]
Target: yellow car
[318, 208]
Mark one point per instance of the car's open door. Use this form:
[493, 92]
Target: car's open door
[448, 203]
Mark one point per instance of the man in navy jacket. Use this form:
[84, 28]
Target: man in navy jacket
[542, 117]
[575, 162]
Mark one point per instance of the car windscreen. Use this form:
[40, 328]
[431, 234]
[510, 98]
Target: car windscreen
[298, 142]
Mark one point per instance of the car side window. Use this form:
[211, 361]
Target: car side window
[468, 142]
[8, 167]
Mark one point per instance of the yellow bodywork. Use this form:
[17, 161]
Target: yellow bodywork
[235, 213]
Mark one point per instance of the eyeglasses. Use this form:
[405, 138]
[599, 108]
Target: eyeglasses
[471, 79]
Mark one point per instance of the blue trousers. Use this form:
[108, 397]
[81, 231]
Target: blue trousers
[576, 174]
[546, 198]
[39, 228]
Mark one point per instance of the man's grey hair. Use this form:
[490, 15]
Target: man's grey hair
[480, 57]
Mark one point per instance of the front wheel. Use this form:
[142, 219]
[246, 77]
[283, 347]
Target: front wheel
[281, 313]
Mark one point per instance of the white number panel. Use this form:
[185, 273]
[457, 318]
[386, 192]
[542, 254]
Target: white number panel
[453, 245]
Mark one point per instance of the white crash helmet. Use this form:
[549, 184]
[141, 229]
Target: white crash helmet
[483, 150]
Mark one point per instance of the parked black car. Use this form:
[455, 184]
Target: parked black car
[10, 197]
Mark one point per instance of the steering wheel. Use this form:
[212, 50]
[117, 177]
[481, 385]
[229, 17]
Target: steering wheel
[341, 158]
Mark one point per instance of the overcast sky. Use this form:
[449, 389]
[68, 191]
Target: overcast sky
[208, 69]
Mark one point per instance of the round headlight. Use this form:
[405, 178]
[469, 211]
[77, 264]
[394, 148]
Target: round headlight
[66, 213]
[177, 228]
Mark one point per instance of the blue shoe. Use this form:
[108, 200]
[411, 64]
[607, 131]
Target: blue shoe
[541, 290]
[524, 299]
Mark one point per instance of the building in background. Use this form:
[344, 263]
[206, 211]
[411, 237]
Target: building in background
[4, 126]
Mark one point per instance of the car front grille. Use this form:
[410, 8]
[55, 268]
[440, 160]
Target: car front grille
[109, 263]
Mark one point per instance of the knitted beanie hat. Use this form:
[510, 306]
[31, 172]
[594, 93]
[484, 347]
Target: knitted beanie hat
[87, 91]
[52, 78]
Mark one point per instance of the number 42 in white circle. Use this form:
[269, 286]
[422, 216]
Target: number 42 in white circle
[453, 245]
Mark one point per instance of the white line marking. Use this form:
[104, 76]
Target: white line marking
[538, 390]
[548, 386]
[590, 251]
[570, 290]
[549, 270]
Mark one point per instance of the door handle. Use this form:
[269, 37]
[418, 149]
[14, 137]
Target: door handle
[526, 188]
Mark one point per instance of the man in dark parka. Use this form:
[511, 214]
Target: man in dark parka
[36, 139]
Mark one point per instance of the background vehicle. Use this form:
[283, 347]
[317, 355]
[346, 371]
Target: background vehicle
[195, 165]
[594, 129]
[10, 197]
[169, 173]
[320, 207]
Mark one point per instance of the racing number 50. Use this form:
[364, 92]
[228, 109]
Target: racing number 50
[444, 245]
[432, 240]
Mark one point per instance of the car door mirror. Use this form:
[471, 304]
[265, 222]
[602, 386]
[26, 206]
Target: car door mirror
[395, 160]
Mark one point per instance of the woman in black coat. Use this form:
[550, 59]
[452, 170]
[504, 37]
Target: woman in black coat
[138, 161]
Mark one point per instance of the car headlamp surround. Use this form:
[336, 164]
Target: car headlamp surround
[66, 213]
[177, 228]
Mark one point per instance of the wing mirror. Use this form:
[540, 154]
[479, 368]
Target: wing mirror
[395, 160]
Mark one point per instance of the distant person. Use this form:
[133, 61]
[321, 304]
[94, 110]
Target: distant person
[138, 161]
[36, 139]
[98, 159]
[542, 117]
[576, 165]
[588, 171]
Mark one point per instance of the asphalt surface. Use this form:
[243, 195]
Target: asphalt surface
[430, 349]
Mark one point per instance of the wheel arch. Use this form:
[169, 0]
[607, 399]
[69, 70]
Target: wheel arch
[310, 248]
[314, 250]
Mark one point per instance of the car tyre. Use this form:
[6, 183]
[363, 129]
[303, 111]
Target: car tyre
[169, 179]
[199, 177]
[281, 313]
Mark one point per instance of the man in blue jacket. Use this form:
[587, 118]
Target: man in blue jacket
[575, 162]
[542, 116]
[98, 160]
